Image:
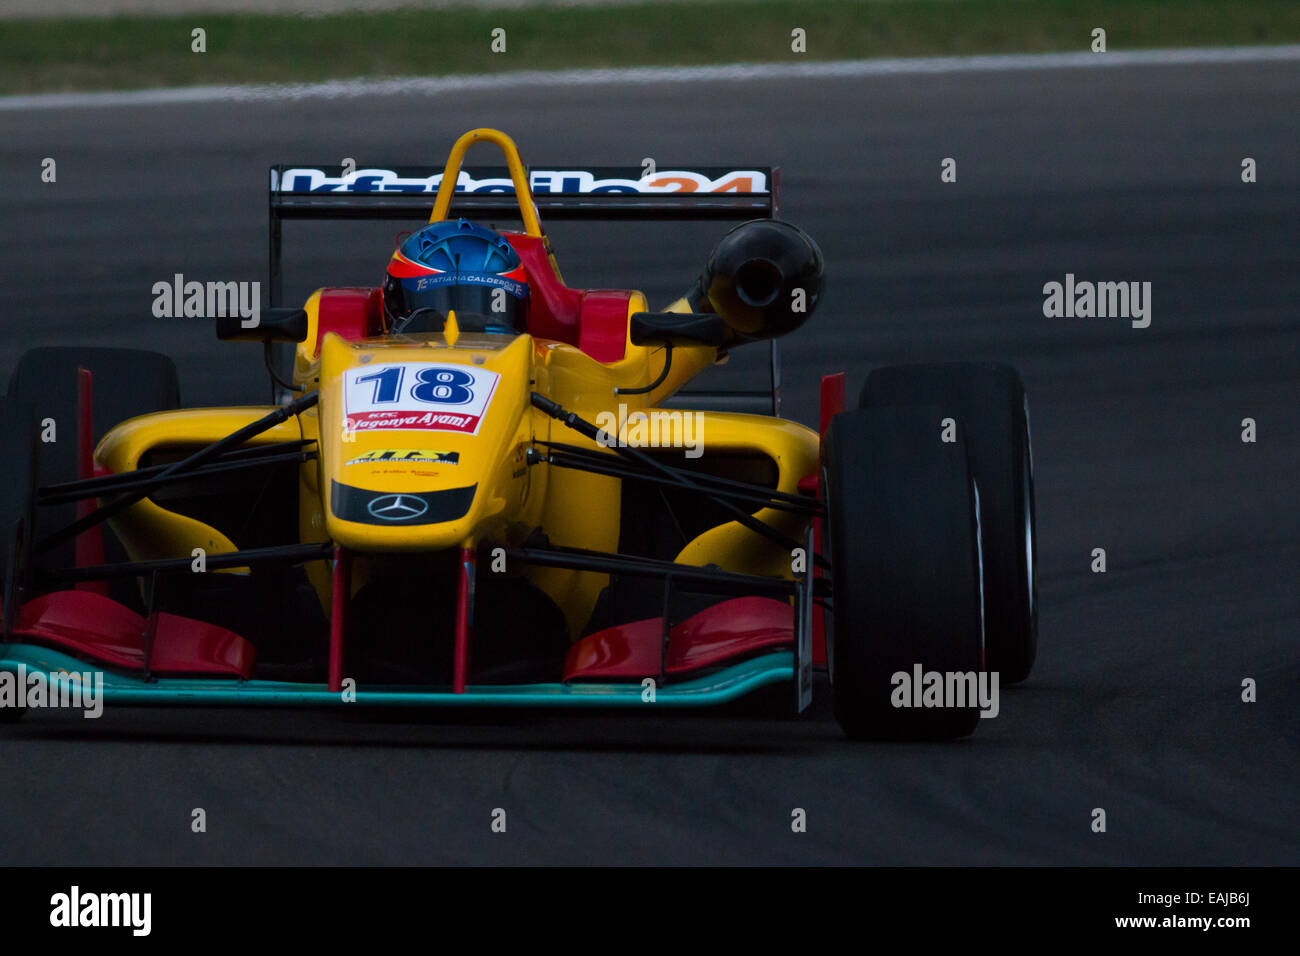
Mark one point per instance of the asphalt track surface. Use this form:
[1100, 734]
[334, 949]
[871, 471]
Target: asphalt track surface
[1129, 173]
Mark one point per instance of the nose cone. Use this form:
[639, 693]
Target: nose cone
[419, 438]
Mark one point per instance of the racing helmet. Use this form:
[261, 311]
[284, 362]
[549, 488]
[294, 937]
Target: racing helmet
[455, 265]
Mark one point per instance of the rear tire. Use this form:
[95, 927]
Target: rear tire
[903, 538]
[988, 403]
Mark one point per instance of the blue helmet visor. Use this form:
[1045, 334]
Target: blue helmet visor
[421, 303]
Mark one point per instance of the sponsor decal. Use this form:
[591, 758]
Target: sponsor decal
[422, 283]
[417, 396]
[542, 182]
[397, 507]
[400, 508]
[388, 455]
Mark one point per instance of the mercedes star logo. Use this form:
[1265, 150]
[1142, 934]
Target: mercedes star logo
[397, 507]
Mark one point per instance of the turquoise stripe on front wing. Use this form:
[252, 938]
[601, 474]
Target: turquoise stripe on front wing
[716, 688]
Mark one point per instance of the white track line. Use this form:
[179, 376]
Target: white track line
[648, 76]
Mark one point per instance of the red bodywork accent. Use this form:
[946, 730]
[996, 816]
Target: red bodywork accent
[594, 321]
[92, 627]
[464, 622]
[732, 629]
[602, 325]
[352, 312]
[340, 585]
[89, 547]
[553, 308]
[832, 400]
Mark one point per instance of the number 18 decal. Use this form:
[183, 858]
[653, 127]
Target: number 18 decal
[417, 396]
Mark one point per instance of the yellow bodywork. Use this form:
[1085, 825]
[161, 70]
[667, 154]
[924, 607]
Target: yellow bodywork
[150, 532]
[511, 499]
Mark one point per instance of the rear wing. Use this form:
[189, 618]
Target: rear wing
[593, 192]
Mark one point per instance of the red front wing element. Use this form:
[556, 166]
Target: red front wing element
[733, 629]
[95, 628]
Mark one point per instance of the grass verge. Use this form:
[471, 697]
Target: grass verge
[130, 52]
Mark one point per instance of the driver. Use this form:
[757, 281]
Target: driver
[455, 265]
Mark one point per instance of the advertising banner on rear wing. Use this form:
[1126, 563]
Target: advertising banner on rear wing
[560, 192]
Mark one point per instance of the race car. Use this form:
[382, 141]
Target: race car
[473, 487]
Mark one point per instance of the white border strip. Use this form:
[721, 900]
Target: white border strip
[643, 76]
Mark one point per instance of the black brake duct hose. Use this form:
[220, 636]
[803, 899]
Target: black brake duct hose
[647, 389]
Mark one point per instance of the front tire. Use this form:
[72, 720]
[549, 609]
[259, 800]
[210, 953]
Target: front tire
[904, 545]
[988, 403]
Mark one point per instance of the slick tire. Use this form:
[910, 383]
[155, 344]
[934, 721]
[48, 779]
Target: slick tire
[903, 538]
[988, 404]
